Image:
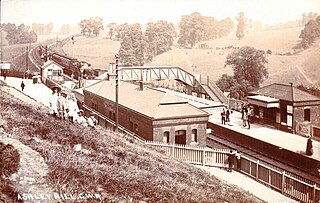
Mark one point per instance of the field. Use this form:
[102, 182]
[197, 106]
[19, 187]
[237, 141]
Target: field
[98, 51]
[287, 63]
[114, 166]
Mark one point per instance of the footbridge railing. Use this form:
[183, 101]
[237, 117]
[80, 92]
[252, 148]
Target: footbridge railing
[146, 73]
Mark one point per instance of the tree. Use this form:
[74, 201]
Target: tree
[195, 28]
[241, 25]
[92, 25]
[133, 47]
[65, 29]
[191, 29]
[112, 28]
[310, 33]
[19, 34]
[249, 71]
[97, 25]
[160, 37]
[48, 28]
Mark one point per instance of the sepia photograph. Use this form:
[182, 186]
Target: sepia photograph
[149, 101]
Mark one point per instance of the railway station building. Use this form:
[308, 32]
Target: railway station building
[152, 114]
[287, 108]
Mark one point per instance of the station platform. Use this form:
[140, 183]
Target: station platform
[287, 146]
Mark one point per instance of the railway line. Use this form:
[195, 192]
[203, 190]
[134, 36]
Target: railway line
[214, 141]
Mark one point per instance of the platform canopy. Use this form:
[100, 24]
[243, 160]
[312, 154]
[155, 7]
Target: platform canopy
[264, 101]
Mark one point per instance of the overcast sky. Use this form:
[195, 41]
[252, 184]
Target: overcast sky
[142, 11]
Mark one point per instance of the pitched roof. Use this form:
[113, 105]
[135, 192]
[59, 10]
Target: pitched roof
[284, 92]
[49, 62]
[150, 102]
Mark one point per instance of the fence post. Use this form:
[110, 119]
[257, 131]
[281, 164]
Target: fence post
[314, 193]
[257, 170]
[269, 178]
[204, 157]
[172, 151]
[283, 181]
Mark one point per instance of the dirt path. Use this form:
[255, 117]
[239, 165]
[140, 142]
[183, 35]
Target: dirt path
[30, 177]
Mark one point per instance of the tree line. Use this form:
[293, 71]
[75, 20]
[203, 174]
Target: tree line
[195, 28]
[19, 34]
[139, 47]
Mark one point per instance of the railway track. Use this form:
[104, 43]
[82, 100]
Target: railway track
[214, 140]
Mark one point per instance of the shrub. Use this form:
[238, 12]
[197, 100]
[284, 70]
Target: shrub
[9, 159]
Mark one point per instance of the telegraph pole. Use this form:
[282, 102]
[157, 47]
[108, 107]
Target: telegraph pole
[117, 95]
[27, 65]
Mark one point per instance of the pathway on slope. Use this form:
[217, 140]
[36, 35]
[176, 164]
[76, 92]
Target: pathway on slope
[30, 178]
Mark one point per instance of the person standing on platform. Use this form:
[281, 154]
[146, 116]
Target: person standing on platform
[227, 115]
[231, 119]
[223, 117]
[309, 150]
[245, 119]
[22, 86]
[238, 160]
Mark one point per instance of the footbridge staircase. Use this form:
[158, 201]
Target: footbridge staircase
[195, 83]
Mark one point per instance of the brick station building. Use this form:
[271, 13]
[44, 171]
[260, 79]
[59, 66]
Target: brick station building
[288, 108]
[150, 113]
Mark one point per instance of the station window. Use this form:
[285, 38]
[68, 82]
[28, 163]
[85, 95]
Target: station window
[307, 114]
[166, 137]
[194, 135]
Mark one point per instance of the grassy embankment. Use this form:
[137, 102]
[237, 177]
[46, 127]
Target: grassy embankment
[116, 168]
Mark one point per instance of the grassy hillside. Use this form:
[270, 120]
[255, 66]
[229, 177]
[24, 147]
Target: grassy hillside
[116, 168]
[98, 51]
[287, 63]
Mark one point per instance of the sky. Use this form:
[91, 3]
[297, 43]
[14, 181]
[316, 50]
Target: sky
[72, 12]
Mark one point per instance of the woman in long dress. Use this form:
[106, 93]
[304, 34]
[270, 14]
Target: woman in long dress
[72, 108]
[54, 102]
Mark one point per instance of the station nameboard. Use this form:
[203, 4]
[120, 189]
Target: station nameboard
[5, 65]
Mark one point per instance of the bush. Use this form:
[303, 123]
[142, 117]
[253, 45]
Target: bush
[9, 160]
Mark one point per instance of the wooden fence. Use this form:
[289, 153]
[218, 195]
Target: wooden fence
[278, 180]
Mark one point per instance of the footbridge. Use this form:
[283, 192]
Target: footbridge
[203, 88]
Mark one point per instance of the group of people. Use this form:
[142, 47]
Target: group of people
[64, 106]
[234, 160]
[246, 114]
[227, 116]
